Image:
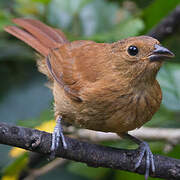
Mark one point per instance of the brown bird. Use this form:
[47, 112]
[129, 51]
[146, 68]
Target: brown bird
[98, 86]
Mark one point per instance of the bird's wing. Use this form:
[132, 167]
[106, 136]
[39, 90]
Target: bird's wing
[73, 65]
[76, 65]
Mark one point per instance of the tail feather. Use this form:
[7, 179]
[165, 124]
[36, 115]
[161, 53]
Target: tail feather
[45, 34]
[27, 38]
[61, 35]
[40, 37]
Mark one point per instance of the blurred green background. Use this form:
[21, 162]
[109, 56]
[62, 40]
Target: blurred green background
[24, 100]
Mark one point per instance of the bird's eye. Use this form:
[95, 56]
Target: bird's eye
[132, 50]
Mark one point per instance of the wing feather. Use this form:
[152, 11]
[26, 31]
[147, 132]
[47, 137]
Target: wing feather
[72, 65]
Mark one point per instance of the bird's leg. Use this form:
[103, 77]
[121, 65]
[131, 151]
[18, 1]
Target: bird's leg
[144, 151]
[56, 135]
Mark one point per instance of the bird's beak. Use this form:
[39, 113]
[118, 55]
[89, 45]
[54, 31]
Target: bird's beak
[160, 53]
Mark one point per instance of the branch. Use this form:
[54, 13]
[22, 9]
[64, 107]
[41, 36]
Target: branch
[169, 135]
[146, 133]
[167, 26]
[35, 173]
[91, 154]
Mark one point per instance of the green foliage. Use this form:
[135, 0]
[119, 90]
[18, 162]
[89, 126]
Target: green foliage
[127, 176]
[46, 115]
[14, 169]
[42, 1]
[130, 27]
[169, 77]
[81, 17]
[25, 101]
[5, 18]
[156, 11]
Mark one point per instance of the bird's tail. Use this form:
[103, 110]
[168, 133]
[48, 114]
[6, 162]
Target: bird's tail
[39, 36]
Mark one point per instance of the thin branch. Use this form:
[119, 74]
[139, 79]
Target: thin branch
[168, 26]
[34, 173]
[167, 134]
[91, 154]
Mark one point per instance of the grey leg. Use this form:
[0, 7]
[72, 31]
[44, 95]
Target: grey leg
[56, 135]
[144, 151]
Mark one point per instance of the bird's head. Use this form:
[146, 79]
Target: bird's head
[139, 58]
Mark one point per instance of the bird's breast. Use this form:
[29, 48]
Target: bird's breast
[118, 112]
[140, 108]
[124, 113]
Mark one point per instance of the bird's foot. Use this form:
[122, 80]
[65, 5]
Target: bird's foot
[56, 135]
[145, 151]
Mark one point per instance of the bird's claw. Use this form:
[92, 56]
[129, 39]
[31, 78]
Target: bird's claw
[145, 151]
[56, 135]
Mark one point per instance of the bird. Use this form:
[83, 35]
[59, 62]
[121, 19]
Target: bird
[108, 87]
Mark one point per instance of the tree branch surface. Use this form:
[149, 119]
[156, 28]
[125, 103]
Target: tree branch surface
[91, 154]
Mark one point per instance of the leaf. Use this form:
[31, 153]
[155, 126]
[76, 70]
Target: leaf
[14, 169]
[61, 13]
[29, 8]
[84, 17]
[156, 11]
[131, 27]
[99, 16]
[42, 1]
[16, 152]
[169, 78]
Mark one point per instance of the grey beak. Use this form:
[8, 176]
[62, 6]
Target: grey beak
[160, 53]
